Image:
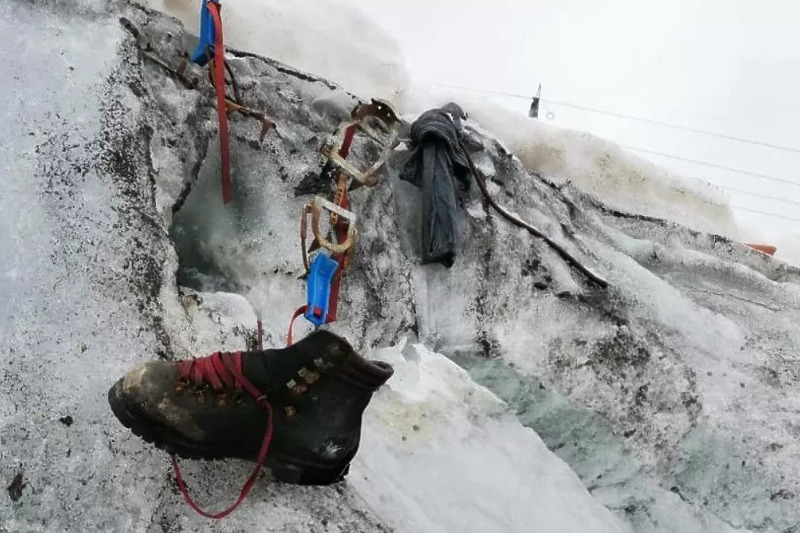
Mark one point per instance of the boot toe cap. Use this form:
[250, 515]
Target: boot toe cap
[146, 397]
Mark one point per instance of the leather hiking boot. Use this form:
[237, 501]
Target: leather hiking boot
[304, 403]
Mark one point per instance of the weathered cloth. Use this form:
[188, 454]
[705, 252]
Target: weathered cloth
[436, 165]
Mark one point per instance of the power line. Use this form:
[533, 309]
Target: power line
[727, 187]
[731, 169]
[677, 127]
[712, 165]
[485, 91]
[679, 158]
[630, 117]
[765, 213]
[759, 195]
[662, 154]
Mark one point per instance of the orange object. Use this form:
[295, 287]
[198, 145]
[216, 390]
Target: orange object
[763, 248]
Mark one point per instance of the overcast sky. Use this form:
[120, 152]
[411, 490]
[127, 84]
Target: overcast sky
[729, 66]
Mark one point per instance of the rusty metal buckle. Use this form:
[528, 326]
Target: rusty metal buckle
[315, 208]
[379, 122]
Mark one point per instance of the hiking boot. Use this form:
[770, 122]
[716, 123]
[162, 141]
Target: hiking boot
[304, 403]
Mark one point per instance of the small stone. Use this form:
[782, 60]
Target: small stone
[415, 427]
[15, 487]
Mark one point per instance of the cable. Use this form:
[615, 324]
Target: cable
[662, 154]
[731, 169]
[678, 127]
[765, 196]
[485, 91]
[765, 213]
[630, 117]
[726, 187]
[712, 165]
[679, 158]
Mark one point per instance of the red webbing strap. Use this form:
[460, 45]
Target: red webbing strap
[336, 283]
[222, 111]
[299, 312]
[344, 151]
[341, 235]
[262, 453]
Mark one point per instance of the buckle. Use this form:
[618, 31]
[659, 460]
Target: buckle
[379, 122]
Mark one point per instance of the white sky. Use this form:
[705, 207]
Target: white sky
[729, 66]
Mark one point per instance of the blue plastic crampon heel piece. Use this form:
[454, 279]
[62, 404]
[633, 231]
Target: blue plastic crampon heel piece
[207, 34]
[320, 277]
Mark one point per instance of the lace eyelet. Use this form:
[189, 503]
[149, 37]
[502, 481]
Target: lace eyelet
[238, 398]
[222, 398]
[299, 389]
[181, 385]
[309, 376]
[200, 392]
[322, 365]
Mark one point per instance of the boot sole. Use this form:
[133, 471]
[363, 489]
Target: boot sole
[284, 468]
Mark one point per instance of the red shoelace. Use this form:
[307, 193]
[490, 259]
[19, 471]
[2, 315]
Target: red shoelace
[223, 371]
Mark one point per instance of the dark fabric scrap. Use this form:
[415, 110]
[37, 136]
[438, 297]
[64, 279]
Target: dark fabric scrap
[437, 165]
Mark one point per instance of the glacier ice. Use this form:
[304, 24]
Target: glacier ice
[665, 403]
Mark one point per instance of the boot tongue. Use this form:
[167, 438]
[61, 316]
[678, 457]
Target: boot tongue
[322, 345]
[319, 352]
[268, 368]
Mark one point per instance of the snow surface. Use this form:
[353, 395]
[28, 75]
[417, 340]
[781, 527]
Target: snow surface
[440, 453]
[81, 281]
[341, 43]
[667, 402]
[325, 37]
[601, 168]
